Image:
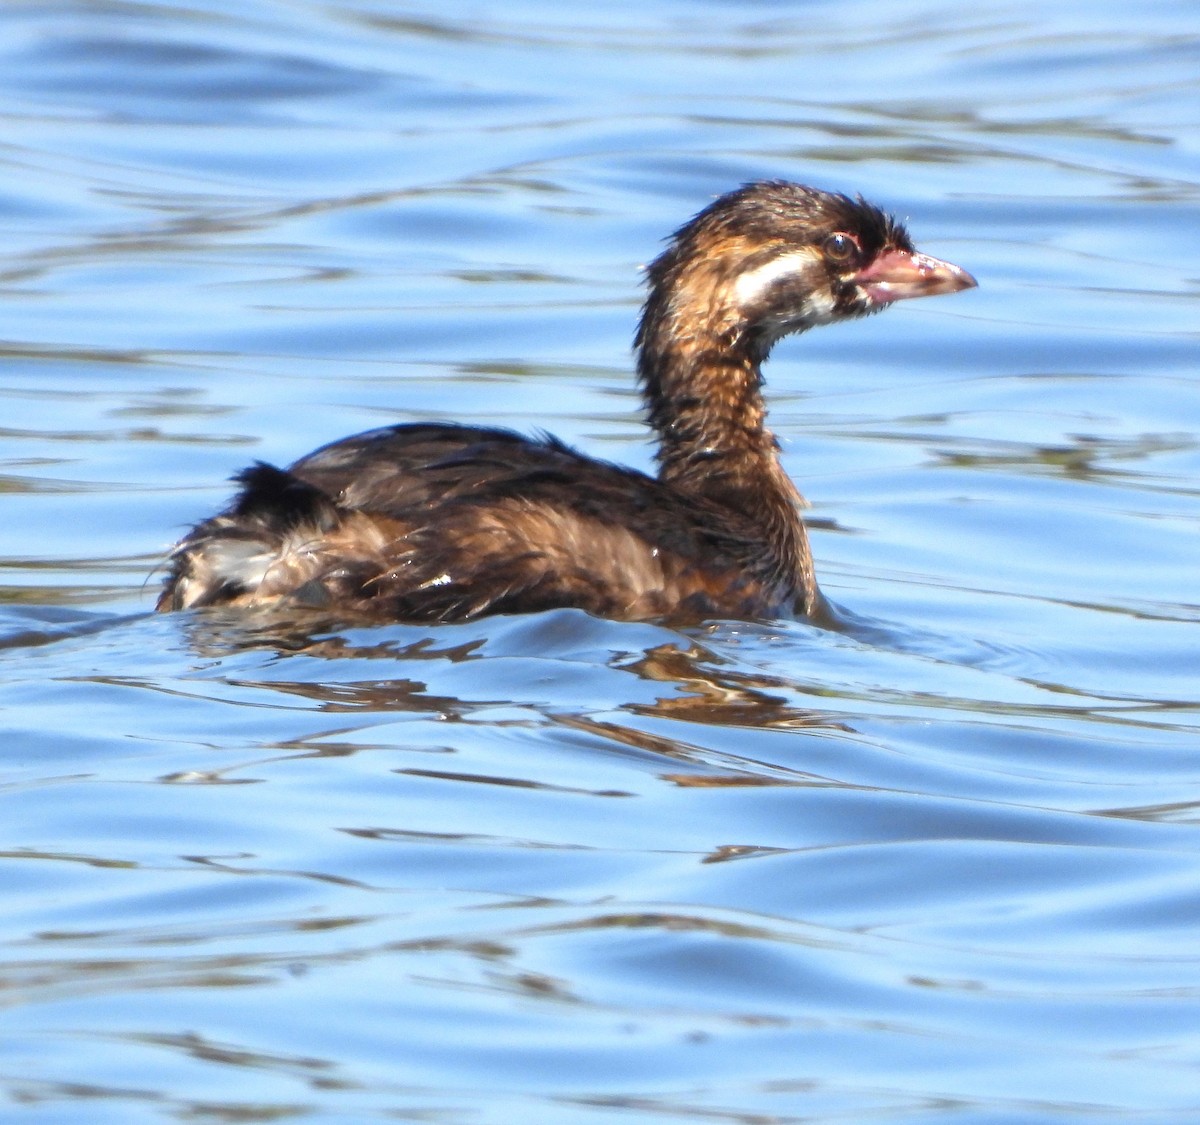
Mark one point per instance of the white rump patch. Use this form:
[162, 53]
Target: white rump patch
[240, 562]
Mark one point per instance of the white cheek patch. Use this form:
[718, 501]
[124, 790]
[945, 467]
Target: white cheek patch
[752, 286]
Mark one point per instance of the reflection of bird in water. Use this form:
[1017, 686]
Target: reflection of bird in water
[445, 522]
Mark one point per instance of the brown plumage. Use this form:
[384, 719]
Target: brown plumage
[446, 522]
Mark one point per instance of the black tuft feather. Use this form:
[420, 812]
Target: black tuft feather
[282, 501]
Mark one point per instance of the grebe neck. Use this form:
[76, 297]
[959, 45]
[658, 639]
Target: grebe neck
[703, 389]
[700, 372]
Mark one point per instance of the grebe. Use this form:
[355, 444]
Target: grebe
[447, 522]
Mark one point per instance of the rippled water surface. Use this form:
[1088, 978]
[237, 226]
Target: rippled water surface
[943, 866]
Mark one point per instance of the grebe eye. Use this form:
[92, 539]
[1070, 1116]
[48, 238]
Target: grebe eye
[841, 248]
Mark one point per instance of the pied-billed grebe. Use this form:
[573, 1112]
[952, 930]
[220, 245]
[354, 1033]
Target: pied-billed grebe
[446, 522]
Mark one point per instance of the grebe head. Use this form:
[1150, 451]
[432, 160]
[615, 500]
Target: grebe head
[774, 258]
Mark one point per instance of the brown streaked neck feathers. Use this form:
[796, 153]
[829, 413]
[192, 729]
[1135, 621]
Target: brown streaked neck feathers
[761, 262]
[699, 365]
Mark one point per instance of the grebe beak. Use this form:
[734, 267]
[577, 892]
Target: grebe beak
[896, 275]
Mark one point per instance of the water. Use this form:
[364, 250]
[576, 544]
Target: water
[941, 867]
